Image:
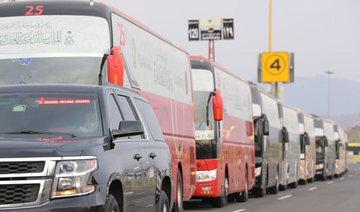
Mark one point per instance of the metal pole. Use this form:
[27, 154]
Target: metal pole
[329, 73]
[270, 26]
[276, 84]
[212, 50]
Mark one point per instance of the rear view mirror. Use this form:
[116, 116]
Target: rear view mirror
[128, 128]
[218, 106]
[285, 135]
[266, 127]
[116, 67]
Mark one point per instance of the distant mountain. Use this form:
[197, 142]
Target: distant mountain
[353, 134]
[311, 95]
[347, 121]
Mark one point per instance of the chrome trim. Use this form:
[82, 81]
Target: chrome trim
[46, 185]
[78, 158]
[49, 167]
[42, 197]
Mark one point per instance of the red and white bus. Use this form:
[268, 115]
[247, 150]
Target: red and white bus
[225, 155]
[82, 42]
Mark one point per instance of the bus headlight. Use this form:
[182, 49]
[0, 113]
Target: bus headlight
[320, 166]
[72, 178]
[257, 171]
[206, 176]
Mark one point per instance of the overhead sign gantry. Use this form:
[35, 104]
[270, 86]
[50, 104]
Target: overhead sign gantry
[211, 30]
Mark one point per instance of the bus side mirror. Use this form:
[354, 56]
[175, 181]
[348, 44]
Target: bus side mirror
[266, 126]
[285, 135]
[116, 67]
[326, 143]
[218, 106]
[306, 139]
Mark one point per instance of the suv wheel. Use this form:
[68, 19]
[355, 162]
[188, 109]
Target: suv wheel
[163, 204]
[111, 204]
[179, 205]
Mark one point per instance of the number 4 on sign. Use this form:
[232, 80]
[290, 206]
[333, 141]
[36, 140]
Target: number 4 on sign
[276, 65]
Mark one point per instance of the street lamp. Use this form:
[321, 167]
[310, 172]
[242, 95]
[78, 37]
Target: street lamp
[329, 73]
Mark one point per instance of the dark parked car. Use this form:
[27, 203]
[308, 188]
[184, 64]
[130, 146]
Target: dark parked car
[81, 148]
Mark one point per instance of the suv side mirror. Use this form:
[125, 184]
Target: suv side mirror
[128, 128]
[266, 126]
[306, 139]
[218, 106]
[116, 67]
[285, 135]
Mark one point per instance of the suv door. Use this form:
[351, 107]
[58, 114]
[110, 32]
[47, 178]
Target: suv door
[132, 155]
[157, 151]
[149, 177]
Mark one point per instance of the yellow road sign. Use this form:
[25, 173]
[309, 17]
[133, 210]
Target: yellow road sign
[275, 67]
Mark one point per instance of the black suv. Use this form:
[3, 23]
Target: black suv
[81, 148]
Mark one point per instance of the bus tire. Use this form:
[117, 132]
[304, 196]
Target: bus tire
[310, 180]
[221, 201]
[179, 204]
[294, 184]
[275, 188]
[259, 192]
[244, 195]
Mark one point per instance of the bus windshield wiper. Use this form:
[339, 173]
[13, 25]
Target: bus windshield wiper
[35, 132]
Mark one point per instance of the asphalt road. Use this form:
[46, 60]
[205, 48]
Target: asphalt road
[337, 195]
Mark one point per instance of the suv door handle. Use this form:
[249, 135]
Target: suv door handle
[137, 157]
[152, 155]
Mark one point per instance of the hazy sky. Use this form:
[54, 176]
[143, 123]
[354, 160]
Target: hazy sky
[324, 34]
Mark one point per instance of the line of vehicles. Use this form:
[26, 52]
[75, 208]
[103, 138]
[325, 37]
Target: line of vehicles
[104, 114]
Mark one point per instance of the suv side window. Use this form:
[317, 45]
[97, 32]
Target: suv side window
[128, 112]
[114, 112]
[126, 108]
[150, 118]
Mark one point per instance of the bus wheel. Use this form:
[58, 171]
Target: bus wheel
[310, 180]
[294, 184]
[245, 194]
[283, 187]
[275, 188]
[259, 192]
[179, 205]
[221, 201]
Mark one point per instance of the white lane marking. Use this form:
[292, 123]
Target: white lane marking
[240, 210]
[331, 182]
[284, 197]
[312, 188]
[350, 175]
[342, 178]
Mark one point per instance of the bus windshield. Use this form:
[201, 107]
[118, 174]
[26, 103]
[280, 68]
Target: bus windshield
[204, 120]
[320, 149]
[55, 49]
